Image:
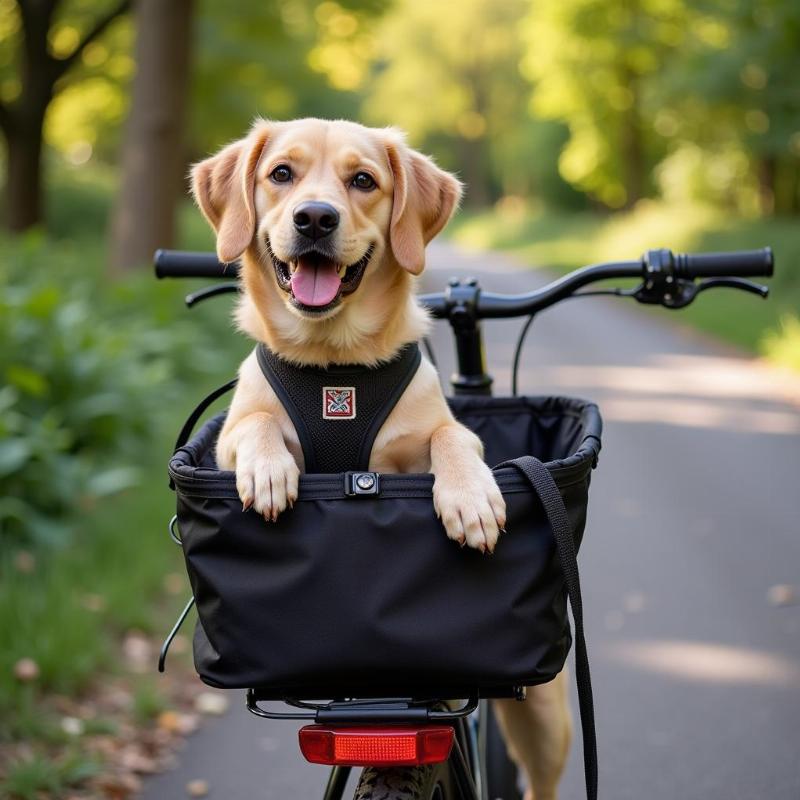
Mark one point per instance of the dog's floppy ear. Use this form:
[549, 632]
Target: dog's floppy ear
[224, 187]
[424, 200]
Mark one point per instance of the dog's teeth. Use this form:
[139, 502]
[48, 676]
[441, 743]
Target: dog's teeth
[292, 266]
[342, 270]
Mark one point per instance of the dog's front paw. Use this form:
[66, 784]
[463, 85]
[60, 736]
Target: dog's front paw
[267, 482]
[471, 508]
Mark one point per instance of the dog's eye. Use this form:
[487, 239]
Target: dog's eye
[281, 174]
[364, 181]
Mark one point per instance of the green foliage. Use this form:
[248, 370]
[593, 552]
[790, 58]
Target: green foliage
[66, 607]
[593, 64]
[783, 345]
[290, 59]
[452, 80]
[148, 702]
[703, 93]
[37, 775]
[570, 102]
[82, 384]
[86, 114]
[733, 94]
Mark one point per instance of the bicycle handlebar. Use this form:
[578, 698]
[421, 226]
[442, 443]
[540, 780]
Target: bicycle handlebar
[491, 305]
[185, 264]
[739, 264]
[656, 266]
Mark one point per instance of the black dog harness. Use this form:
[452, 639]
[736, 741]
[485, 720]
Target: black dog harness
[337, 412]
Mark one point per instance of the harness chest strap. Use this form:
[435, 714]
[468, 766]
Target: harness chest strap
[337, 411]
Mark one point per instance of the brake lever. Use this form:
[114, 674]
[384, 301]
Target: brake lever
[210, 291]
[678, 293]
[734, 283]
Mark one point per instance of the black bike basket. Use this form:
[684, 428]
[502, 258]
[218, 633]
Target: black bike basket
[363, 595]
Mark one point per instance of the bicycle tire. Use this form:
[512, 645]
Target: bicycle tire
[429, 782]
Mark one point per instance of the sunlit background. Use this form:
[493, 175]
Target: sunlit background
[584, 130]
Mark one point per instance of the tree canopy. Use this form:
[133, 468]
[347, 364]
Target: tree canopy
[568, 101]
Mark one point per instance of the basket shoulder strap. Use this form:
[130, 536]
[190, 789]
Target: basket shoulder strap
[188, 426]
[543, 484]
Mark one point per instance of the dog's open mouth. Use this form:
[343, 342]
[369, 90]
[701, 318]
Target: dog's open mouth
[316, 282]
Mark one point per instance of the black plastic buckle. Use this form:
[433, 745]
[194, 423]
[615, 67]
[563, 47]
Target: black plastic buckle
[357, 484]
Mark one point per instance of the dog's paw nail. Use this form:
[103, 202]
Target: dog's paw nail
[502, 530]
[482, 548]
[246, 505]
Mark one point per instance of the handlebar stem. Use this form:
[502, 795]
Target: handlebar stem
[461, 301]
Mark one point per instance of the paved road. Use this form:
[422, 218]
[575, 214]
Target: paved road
[694, 516]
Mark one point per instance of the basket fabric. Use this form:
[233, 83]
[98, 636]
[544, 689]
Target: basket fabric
[366, 596]
[368, 592]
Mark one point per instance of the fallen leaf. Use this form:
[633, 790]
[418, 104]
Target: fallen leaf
[173, 722]
[782, 595]
[212, 703]
[25, 562]
[119, 786]
[175, 583]
[169, 721]
[133, 760]
[138, 652]
[26, 670]
[94, 602]
[72, 726]
[197, 788]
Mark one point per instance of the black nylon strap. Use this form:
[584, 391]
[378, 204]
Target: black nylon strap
[543, 484]
[188, 426]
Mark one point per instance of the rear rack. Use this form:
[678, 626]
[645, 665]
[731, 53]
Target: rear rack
[360, 711]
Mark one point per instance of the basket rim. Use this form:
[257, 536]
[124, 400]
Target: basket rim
[192, 480]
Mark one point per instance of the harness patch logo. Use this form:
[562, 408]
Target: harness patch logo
[338, 402]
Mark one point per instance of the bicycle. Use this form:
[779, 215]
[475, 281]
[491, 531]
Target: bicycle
[419, 748]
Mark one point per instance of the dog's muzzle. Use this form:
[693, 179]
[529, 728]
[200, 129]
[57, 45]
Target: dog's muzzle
[315, 281]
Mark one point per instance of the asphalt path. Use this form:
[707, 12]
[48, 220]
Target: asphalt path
[690, 553]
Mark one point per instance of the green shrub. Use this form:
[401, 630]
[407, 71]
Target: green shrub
[86, 370]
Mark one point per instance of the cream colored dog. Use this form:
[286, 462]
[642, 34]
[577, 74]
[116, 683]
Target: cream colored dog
[330, 221]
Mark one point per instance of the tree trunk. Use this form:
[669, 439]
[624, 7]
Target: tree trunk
[767, 172]
[632, 155]
[24, 179]
[475, 172]
[153, 155]
[23, 121]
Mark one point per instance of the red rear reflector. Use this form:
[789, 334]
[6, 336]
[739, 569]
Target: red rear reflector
[370, 746]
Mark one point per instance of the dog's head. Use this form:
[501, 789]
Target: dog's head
[324, 209]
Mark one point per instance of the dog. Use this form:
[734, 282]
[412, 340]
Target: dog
[330, 220]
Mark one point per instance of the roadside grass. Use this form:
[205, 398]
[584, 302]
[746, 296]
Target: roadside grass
[68, 607]
[38, 776]
[562, 242]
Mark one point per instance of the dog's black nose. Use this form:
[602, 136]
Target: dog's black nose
[315, 219]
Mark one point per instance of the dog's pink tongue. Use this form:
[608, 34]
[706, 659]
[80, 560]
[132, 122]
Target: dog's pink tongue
[315, 282]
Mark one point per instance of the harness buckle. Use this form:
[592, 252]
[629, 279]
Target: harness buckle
[357, 484]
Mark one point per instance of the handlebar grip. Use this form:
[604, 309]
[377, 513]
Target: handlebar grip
[741, 263]
[181, 264]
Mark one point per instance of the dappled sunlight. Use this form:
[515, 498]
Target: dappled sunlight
[693, 391]
[694, 376]
[695, 414]
[707, 662]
